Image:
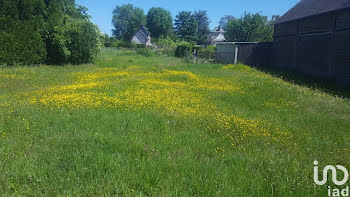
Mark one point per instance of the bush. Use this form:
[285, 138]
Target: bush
[207, 53]
[210, 48]
[52, 32]
[181, 49]
[129, 45]
[166, 43]
[21, 45]
[146, 52]
[84, 42]
[75, 42]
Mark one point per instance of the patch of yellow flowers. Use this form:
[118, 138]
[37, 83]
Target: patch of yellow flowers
[177, 93]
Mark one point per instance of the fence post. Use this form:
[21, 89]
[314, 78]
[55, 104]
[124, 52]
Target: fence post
[236, 54]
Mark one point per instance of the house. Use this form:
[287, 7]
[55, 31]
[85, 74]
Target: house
[142, 36]
[314, 38]
[215, 36]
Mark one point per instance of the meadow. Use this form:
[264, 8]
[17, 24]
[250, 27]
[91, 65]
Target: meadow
[129, 125]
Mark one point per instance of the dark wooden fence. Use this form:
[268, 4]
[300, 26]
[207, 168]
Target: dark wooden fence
[316, 45]
[255, 54]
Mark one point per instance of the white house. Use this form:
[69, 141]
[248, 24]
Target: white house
[215, 36]
[142, 36]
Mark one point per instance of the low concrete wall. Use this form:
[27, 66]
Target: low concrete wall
[249, 53]
[225, 53]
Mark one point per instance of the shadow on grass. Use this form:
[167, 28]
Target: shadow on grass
[324, 85]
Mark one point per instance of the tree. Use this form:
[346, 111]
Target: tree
[159, 22]
[186, 26]
[249, 28]
[274, 18]
[68, 24]
[126, 20]
[203, 26]
[46, 31]
[224, 20]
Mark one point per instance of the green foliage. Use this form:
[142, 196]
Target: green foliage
[46, 31]
[126, 20]
[84, 39]
[186, 26]
[208, 52]
[129, 45]
[108, 41]
[209, 48]
[21, 45]
[146, 52]
[156, 151]
[203, 26]
[182, 48]
[159, 22]
[166, 42]
[249, 28]
[224, 20]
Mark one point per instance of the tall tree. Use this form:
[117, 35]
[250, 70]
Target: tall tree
[126, 20]
[46, 31]
[186, 26]
[203, 26]
[249, 28]
[159, 22]
[224, 20]
[274, 18]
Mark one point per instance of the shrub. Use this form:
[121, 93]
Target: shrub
[146, 52]
[21, 44]
[77, 41]
[207, 53]
[166, 43]
[53, 32]
[84, 41]
[181, 49]
[129, 45]
[210, 48]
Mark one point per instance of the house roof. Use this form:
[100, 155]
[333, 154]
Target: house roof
[312, 7]
[143, 30]
[218, 29]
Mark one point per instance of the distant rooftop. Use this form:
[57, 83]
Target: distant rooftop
[218, 29]
[312, 7]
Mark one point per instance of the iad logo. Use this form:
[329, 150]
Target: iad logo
[333, 170]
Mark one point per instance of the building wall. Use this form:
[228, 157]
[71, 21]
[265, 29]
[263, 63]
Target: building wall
[316, 45]
[253, 53]
[225, 53]
[138, 38]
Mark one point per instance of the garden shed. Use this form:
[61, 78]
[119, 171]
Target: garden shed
[314, 37]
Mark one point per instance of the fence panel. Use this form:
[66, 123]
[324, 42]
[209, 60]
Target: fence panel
[342, 57]
[283, 52]
[313, 54]
[256, 54]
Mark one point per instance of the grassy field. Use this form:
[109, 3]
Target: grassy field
[130, 125]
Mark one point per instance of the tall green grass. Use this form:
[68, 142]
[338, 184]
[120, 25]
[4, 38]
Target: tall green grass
[104, 151]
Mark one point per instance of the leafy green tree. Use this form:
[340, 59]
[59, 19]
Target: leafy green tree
[224, 20]
[203, 26]
[186, 26]
[21, 44]
[21, 28]
[46, 31]
[126, 20]
[274, 18]
[249, 28]
[159, 22]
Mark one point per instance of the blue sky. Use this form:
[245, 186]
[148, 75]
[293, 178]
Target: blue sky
[101, 10]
